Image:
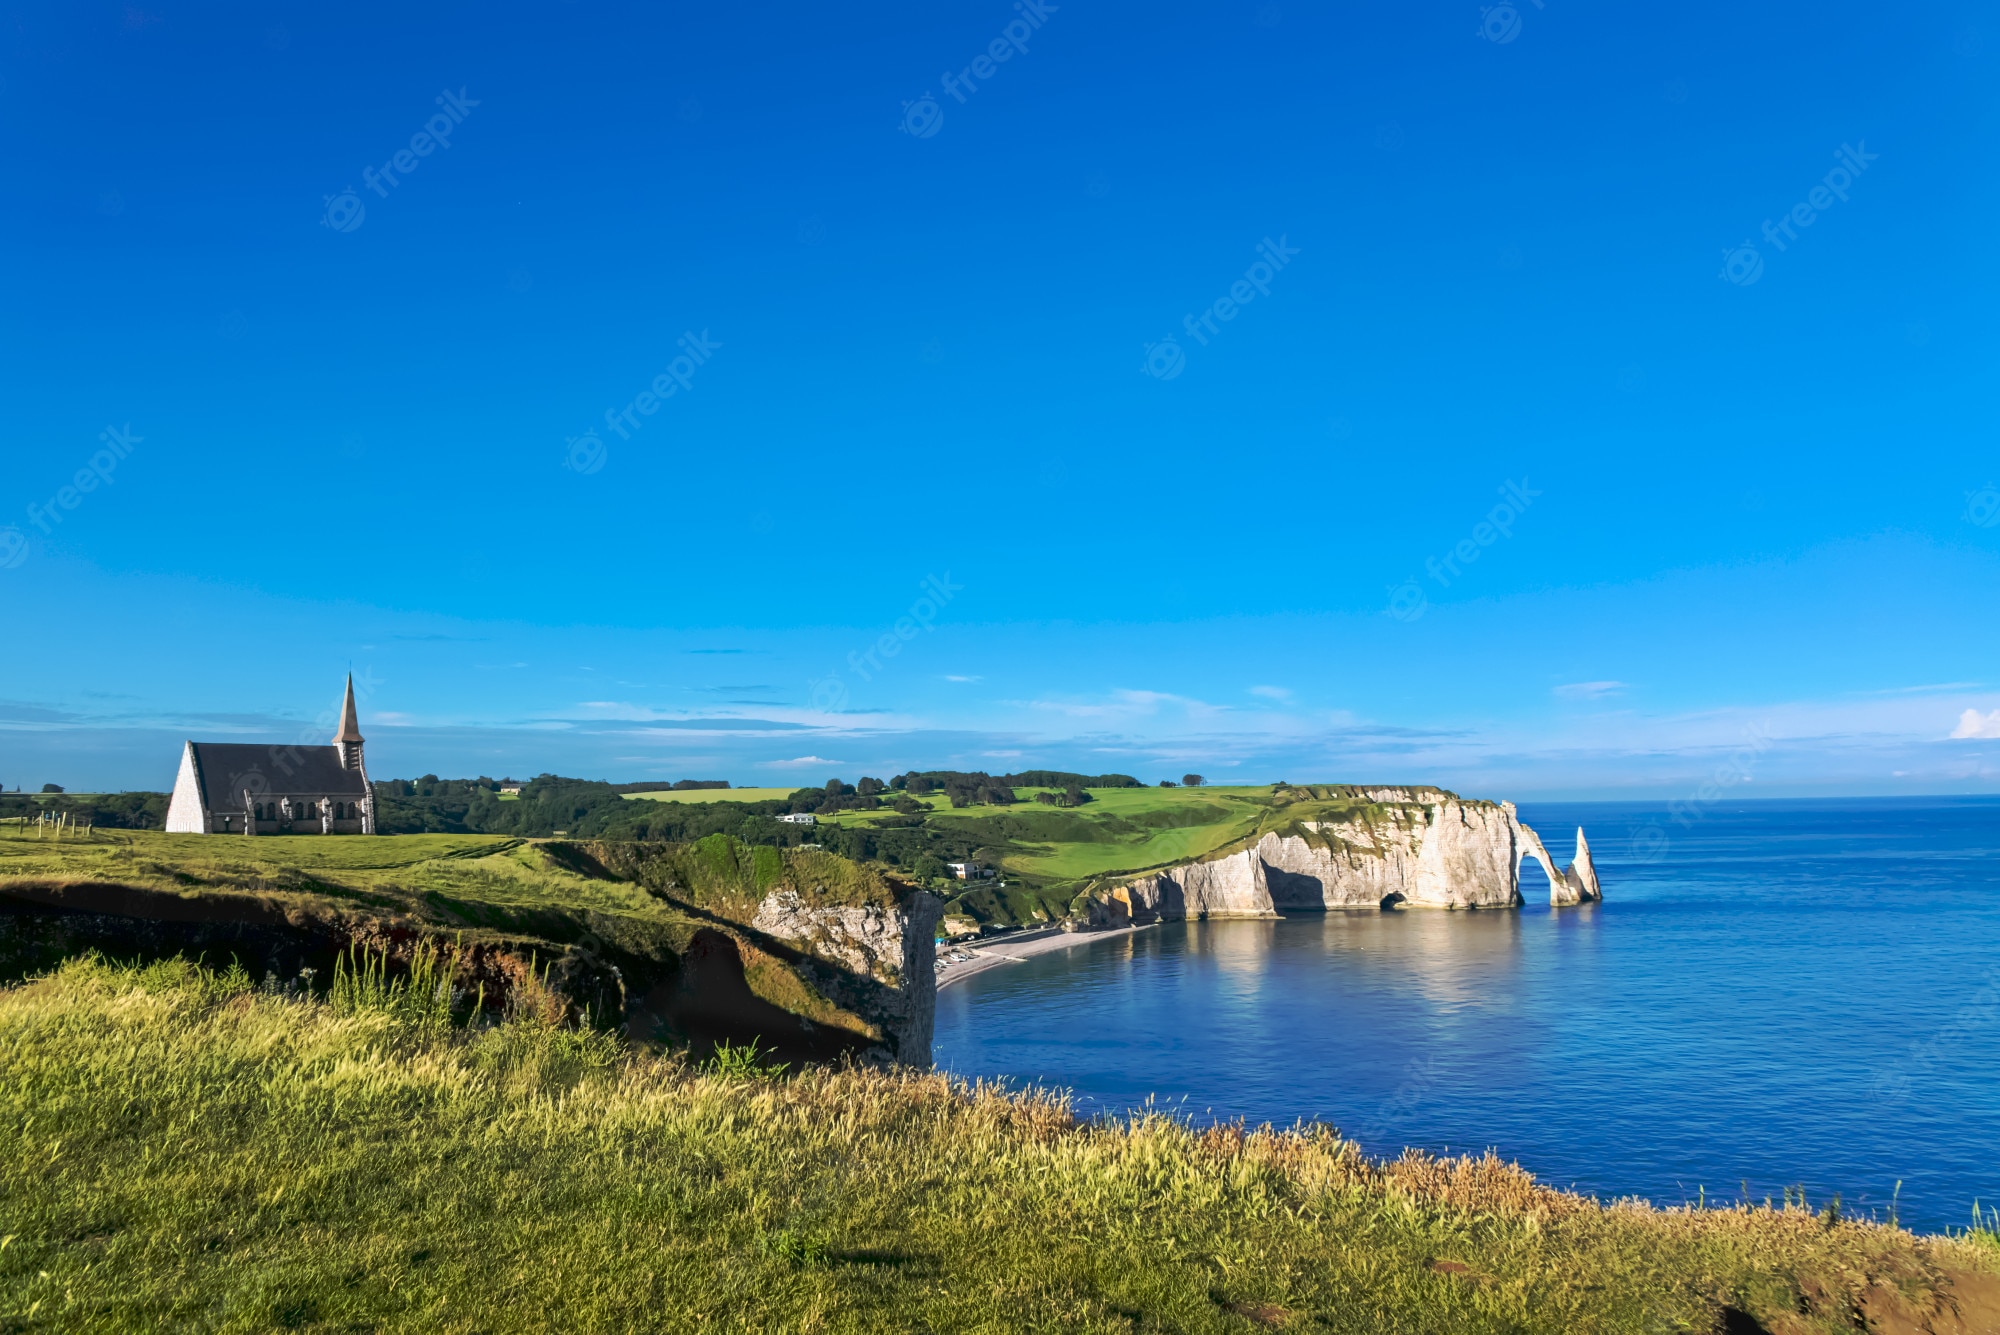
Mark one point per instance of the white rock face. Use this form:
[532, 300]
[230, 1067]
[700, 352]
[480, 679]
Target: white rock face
[1579, 878]
[876, 962]
[1431, 851]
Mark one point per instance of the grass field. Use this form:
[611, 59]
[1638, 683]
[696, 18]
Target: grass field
[185, 1152]
[714, 795]
[404, 873]
[614, 922]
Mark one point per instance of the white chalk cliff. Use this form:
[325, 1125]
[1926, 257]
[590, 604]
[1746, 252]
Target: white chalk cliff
[1417, 847]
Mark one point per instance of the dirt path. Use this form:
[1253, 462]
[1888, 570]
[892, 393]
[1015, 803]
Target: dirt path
[1013, 948]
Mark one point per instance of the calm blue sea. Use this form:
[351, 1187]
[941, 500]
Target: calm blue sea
[1776, 992]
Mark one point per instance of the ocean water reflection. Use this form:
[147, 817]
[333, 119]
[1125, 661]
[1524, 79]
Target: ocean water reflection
[1795, 993]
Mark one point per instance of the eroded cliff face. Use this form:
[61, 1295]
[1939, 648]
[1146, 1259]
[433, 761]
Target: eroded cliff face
[876, 961]
[1419, 847]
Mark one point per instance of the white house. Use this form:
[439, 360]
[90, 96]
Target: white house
[968, 871]
[800, 818]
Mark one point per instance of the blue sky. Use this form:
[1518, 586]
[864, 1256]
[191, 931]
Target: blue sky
[1727, 513]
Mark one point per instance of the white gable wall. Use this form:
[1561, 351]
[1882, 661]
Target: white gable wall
[184, 812]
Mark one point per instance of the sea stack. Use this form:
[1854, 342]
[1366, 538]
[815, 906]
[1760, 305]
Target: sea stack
[1580, 876]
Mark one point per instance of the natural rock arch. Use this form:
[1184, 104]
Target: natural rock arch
[1576, 884]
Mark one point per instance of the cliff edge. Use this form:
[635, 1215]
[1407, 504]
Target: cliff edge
[1356, 848]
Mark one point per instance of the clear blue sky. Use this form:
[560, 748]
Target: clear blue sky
[1754, 519]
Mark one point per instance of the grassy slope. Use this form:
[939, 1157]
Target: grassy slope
[472, 888]
[183, 1154]
[714, 795]
[390, 872]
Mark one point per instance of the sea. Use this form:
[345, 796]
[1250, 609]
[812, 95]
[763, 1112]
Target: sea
[1774, 996]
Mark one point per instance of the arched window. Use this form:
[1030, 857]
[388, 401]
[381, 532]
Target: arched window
[260, 811]
[340, 811]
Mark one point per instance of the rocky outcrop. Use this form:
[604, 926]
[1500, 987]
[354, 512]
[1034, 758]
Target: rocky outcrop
[1420, 847]
[1579, 879]
[875, 961]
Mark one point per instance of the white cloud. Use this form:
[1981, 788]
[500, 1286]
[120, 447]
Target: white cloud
[801, 762]
[1271, 692]
[1973, 724]
[949, 677]
[1590, 690]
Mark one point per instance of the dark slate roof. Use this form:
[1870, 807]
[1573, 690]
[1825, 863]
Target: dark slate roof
[227, 768]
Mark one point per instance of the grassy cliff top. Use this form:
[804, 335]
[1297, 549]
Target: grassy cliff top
[187, 1153]
[424, 875]
[1049, 854]
[617, 919]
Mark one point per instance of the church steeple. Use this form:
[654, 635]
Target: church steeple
[348, 739]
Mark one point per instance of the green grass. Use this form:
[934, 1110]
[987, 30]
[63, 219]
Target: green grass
[714, 795]
[408, 873]
[617, 918]
[185, 1153]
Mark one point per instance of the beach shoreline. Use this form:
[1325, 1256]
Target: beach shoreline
[1018, 946]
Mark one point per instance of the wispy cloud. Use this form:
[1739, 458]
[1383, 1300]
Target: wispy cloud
[1271, 692]
[1973, 724]
[1934, 688]
[1127, 704]
[799, 762]
[1589, 690]
[954, 677]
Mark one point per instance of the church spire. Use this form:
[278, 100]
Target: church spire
[348, 739]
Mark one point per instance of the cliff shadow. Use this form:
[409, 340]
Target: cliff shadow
[850, 989]
[709, 1003]
[1293, 890]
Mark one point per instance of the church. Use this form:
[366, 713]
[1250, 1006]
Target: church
[231, 788]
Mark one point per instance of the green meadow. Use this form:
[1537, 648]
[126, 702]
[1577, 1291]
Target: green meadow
[714, 795]
[188, 1152]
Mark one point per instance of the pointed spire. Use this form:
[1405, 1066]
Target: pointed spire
[350, 728]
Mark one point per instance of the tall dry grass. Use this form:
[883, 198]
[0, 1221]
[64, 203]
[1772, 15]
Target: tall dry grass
[185, 1151]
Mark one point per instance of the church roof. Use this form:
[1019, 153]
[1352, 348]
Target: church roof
[350, 728]
[227, 768]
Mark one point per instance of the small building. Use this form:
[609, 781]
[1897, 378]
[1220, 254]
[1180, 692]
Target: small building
[800, 818]
[513, 789]
[233, 788]
[968, 871]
